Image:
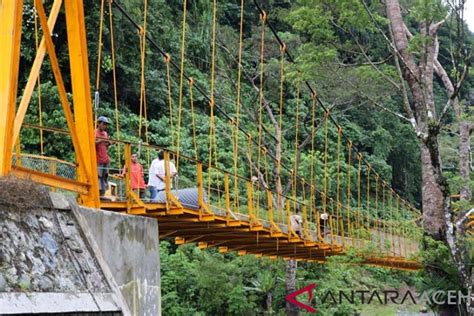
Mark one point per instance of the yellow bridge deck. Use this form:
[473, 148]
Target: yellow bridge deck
[261, 239]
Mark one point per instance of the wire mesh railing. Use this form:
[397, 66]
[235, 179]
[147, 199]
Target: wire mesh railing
[49, 165]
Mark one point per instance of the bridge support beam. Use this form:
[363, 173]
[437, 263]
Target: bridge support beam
[10, 37]
[34, 73]
[79, 64]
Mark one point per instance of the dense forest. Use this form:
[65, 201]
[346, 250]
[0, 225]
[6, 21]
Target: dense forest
[345, 50]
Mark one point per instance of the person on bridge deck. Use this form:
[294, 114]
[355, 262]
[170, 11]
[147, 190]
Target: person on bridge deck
[102, 144]
[324, 224]
[296, 221]
[156, 177]
[136, 176]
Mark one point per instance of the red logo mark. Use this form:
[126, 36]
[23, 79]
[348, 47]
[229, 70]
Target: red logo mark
[292, 297]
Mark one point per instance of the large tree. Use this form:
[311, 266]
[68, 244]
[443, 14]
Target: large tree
[429, 89]
[418, 69]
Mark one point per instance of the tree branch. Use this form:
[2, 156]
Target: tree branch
[435, 27]
[260, 176]
[374, 66]
[406, 101]
[362, 94]
[453, 90]
[391, 44]
[380, 62]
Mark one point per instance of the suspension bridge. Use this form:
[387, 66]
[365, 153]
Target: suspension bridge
[244, 204]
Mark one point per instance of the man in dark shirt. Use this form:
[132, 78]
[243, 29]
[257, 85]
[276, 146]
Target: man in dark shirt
[102, 144]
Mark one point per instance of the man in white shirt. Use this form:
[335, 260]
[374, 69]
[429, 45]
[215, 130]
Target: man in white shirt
[324, 224]
[156, 178]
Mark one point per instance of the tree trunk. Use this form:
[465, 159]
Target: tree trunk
[269, 303]
[290, 281]
[433, 190]
[470, 307]
[464, 161]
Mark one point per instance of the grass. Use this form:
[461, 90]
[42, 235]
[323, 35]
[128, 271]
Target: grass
[391, 310]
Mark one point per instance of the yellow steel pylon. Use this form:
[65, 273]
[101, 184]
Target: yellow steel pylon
[84, 142]
[10, 36]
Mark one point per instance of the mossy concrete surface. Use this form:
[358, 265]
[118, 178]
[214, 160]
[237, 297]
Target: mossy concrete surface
[130, 247]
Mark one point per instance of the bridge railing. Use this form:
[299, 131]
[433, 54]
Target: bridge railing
[50, 165]
[214, 191]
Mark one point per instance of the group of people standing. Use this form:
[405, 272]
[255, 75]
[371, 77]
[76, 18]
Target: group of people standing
[156, 177]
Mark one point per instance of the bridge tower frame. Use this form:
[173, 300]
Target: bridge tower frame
[11, 119]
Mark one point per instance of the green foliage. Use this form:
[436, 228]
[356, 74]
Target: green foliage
[440, 274]
[206, 282]
[429, 10]
[331, 42]
[437, 255]
[313, 20]
[320, 45]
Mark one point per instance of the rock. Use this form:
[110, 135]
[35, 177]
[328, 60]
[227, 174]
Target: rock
[11, 271]
[13, 232]
[3, 283]
[21, 257]
[12, 227]
[13, 216]
[30, 256]
[74, 245]
[44, 284]
[12, 251]
[49, 242]
[14, 239]
[65, 285]
[22, 267]
[45, 223]
[37, 266]
[35, 257]
[78, 250]
[24, 282]
[11, 276]
[86, 267]
[50, 263]
[32, 221]
[4, 257]
[67, 233]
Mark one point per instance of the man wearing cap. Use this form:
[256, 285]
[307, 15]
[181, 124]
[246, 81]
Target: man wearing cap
[102, 144]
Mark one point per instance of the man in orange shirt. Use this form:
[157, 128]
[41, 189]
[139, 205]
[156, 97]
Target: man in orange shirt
[102, 144]
[136, 176]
